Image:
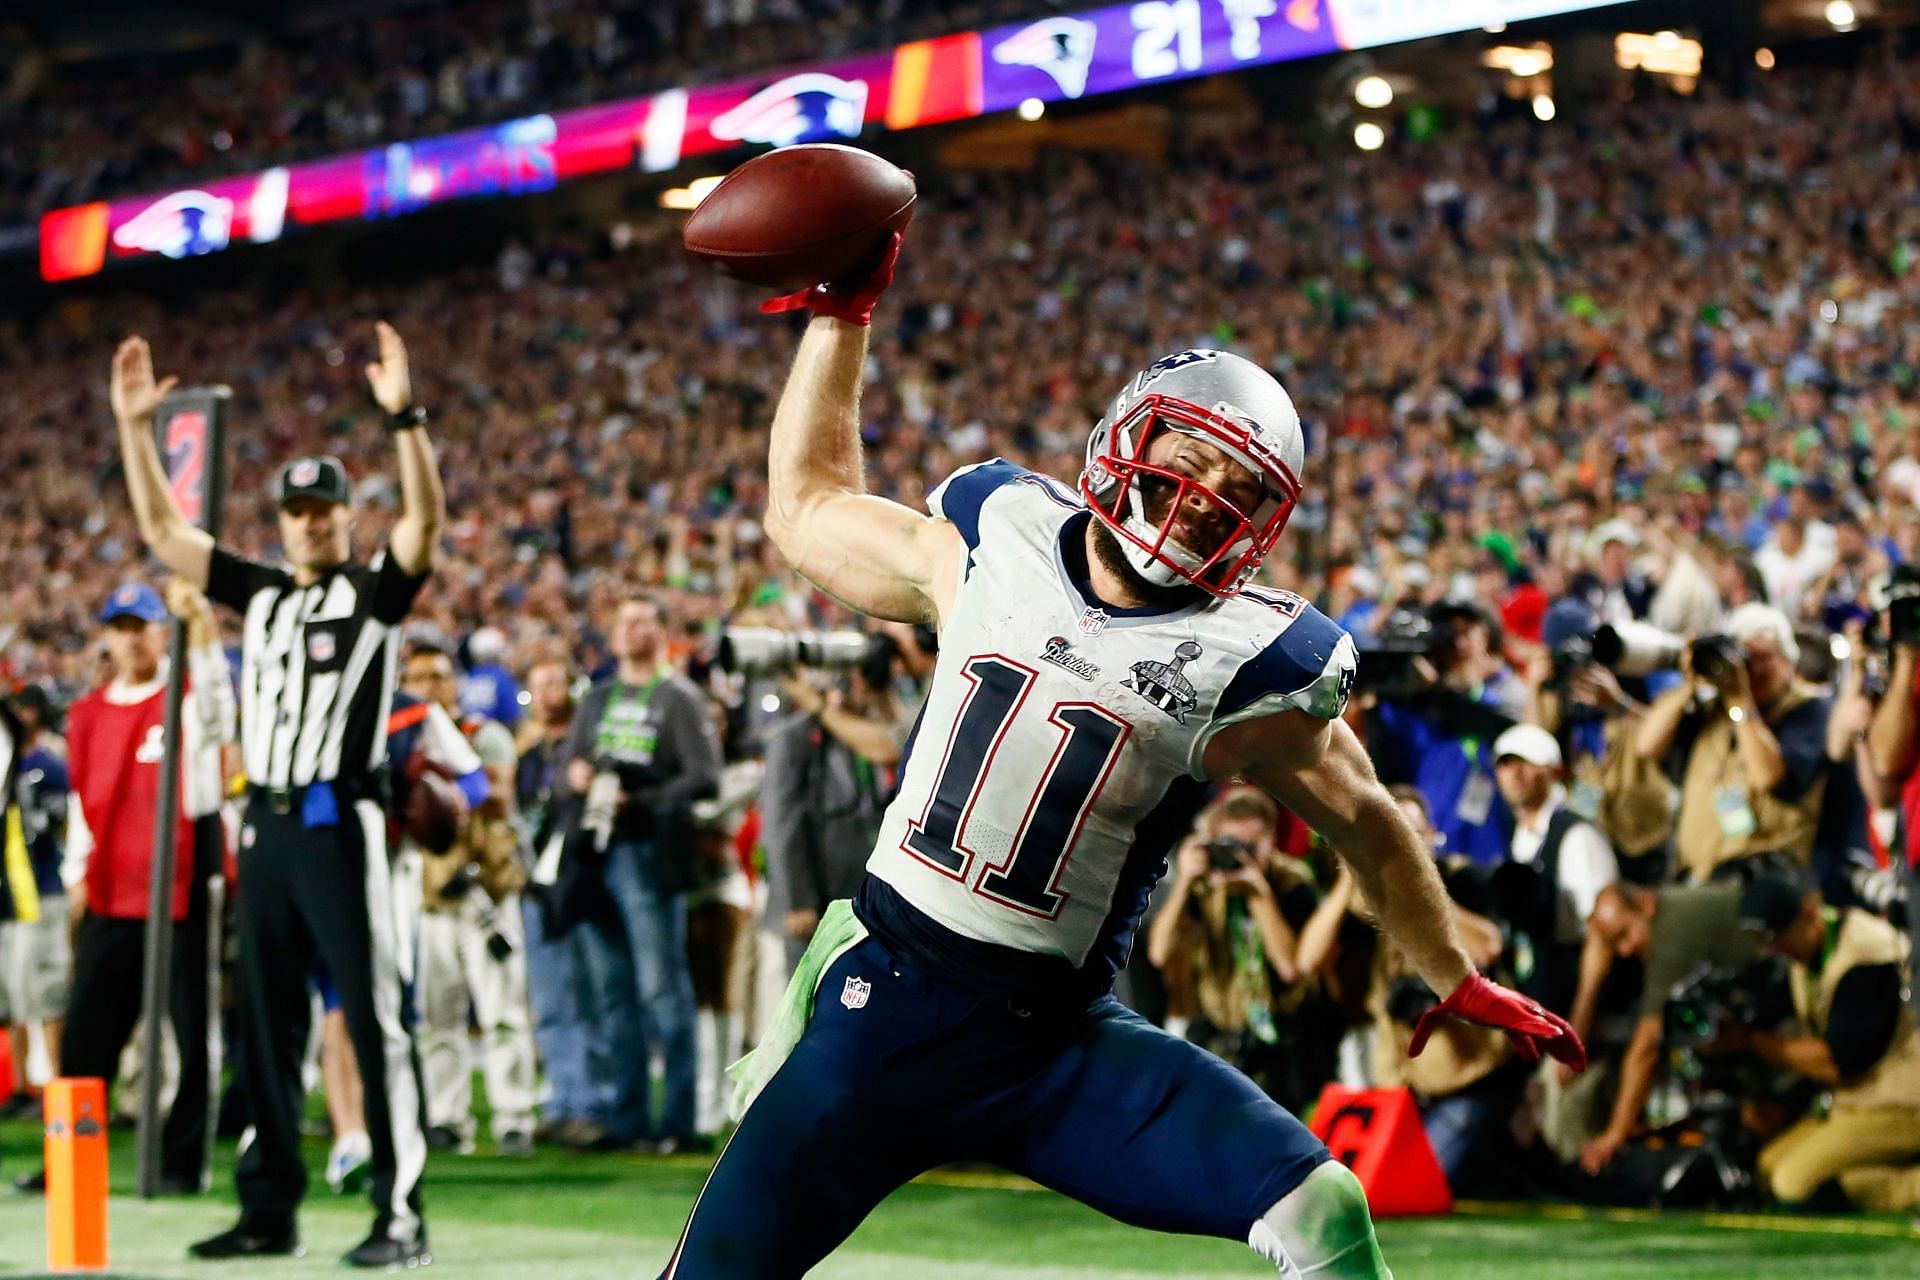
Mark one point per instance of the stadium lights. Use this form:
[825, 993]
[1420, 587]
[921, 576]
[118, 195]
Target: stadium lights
[1763, 58]
[1521, 61]
[1032, 109]
[1543, 108]
[688, 198]
[1373, 92]
[1664, 53]
[1369, 136]
[1841, 15]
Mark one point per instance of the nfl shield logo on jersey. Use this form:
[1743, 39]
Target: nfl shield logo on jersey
[1092, 621]
[854, 994]
[320, 646]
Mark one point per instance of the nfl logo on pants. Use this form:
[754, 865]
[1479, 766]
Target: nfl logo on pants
[854, 994]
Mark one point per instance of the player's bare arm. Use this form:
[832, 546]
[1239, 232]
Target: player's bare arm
[179, 544]
[870, 553]
[423, 499]
[1318, 769]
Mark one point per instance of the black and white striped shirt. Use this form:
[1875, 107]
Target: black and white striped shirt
[317, 666]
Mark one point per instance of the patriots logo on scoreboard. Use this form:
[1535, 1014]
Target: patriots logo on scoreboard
[184, 224]
[1061, 47]
[1162, 683]
[854, 994]
[800, 108]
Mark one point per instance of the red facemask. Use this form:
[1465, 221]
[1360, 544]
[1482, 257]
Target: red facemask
[1242, 539]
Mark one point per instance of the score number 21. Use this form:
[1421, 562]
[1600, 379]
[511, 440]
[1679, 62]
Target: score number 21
[1167, 34]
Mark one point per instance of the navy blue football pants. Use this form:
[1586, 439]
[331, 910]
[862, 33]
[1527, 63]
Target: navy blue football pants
[1099, 1105]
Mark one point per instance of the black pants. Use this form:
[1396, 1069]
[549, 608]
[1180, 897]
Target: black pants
[109, 965]
[325, 894]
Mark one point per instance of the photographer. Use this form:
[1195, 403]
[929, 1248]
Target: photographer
[1862, 1044]
[1746, 738]
[823, 794]
[1230, 921]
[472, 942]
[1435, 729]
[646, 731]
[1893, 737]
[1672, 932]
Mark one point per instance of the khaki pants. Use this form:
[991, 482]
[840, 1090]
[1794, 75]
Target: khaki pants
[1794, 1164]
[457, 968]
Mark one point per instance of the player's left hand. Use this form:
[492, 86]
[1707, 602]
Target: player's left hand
[851, 301]
[1531, 1027]
[389, 377]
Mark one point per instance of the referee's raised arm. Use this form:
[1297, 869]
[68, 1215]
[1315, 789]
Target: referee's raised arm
[180, 545]
[423, 500]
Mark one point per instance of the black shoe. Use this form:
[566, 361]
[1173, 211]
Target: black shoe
[441, 1137]
[380, 1250]
[31, 1184]
[697, 1144]
[20, 1106]
[243, 1242]
[174, 1185]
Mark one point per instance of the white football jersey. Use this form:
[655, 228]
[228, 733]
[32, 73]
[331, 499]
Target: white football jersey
[1058, 756]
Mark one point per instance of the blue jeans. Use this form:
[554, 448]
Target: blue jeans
[1454, 1125]
[645, 994]
[563, 1009]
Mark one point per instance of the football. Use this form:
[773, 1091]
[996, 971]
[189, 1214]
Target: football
[436, 810]
[802, 216]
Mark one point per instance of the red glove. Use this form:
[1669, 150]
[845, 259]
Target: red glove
[1531, 1027]
[852, 301]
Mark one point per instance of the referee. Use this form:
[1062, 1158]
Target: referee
[318, 652]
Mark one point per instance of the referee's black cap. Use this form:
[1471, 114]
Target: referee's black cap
[324, 477]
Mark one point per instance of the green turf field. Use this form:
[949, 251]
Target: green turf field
[565, 1217]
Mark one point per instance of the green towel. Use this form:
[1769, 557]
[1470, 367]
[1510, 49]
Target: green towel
[839, 932]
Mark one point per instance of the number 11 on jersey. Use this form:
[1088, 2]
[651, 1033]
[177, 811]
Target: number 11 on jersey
[1090, 741]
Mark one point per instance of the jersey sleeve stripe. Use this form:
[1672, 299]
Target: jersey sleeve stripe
[961, 495]
[1290, 664]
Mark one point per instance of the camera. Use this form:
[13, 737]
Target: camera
[1901, 601]
[764, 651]
[1716, 658]
[1387, 661]
[1410, 999]
[1708, 1000]
[1224, 852]
[1636, 648]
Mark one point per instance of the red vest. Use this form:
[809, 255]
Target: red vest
[114, 756]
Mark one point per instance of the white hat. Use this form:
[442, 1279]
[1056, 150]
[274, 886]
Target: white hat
[487, 644]
[1616, 530]
[1529, 742]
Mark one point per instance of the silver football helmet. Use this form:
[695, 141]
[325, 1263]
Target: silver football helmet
[1229, 403]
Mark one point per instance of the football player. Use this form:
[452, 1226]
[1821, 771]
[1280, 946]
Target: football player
[1103, 659]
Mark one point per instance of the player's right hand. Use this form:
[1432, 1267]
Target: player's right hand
[850, 300]
[134, 393]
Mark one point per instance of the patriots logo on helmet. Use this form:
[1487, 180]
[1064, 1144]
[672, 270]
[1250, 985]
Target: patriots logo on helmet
[182, 225]
[800, 108]
[1061, 47]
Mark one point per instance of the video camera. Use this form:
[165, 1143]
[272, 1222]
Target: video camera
[1386, 666]
[1224, 852]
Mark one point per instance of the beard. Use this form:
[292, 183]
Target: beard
[1112, 556]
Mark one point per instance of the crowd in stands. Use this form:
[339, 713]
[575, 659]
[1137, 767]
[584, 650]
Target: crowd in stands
[1654, 364]
[128, 125]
